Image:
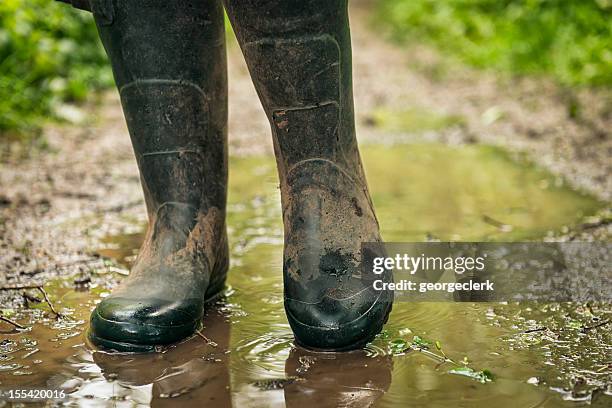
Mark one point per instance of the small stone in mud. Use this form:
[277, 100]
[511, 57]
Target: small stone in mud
[273, 384]
[533, 381]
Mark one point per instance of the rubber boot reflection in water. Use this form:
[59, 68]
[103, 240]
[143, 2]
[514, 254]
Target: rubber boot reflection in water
[169, 64]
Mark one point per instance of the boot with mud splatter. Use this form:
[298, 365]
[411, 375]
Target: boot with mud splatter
[299, 57]
[168, 60]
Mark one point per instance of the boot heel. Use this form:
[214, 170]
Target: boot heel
[217, 286]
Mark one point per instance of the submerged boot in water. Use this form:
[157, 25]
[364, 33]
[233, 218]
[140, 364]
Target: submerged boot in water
[195, 374]
[352, 379]
[299, 57]
[169, 65]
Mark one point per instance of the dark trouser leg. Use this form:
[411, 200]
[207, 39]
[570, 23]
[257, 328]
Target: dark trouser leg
[169, 64]
[299, 56]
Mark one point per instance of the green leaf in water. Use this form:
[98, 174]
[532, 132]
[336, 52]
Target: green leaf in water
[438, 345]
[419, 342]
[482, 377]
[398, 346]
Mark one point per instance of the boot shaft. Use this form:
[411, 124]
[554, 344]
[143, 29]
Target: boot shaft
[169, 63]
[299, 56]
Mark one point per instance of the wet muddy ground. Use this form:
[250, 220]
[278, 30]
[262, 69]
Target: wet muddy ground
[462, 156]
[429, 353]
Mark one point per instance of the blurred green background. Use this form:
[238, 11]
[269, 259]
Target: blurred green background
[50, 54]
[570, 40]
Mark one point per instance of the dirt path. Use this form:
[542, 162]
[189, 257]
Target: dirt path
[56, 203]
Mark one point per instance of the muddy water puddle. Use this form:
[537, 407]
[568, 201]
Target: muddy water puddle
[507, 355]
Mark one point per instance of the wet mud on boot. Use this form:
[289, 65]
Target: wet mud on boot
[299, 57]
[174, 97]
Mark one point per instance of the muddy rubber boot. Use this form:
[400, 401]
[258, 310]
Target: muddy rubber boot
[299, 56]
[195, 374]
[169, 64]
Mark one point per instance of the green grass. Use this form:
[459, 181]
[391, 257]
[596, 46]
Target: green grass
[49, 55]
[570, 40]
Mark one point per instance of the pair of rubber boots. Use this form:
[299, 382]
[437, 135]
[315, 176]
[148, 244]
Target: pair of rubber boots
[169, 63]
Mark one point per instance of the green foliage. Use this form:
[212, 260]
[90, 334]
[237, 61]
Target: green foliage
[419, 342]
[49, 54]
[398, 346]
[483, 376]
[569, 39]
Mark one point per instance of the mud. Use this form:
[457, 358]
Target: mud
[72, 215]
[245, 356]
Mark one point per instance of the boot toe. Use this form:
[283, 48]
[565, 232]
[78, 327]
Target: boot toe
[125, 324]
[337, 325]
